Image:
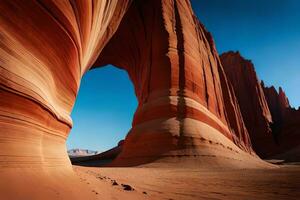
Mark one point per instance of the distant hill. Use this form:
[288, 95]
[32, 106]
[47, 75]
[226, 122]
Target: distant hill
[81, 152]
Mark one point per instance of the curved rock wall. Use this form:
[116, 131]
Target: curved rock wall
[177, 83]
[187, 107]
[45, 48]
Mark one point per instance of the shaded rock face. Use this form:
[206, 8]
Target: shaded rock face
[277, 102]
[187, 107]
[286, 124]
[272, 124]
[251, 99]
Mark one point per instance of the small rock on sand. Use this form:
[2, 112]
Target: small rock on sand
[127, 187]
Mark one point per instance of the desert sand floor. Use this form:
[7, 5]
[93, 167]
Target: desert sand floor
[191, 183]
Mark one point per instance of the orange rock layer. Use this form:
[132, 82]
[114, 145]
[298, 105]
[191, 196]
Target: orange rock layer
[187, 107]
[177, 83]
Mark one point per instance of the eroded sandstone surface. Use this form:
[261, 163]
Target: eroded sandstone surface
[177, 83]
[188, 111]
[285, 126]
[272, 123]
[251, 99]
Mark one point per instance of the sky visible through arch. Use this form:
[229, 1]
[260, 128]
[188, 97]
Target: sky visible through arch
[264, 31]
[103, 110]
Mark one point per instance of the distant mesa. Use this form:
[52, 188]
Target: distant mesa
[81, 152]
[98, 158]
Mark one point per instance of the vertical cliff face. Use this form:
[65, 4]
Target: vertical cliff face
[251, 98]
[286, 123]
[271, 122]
[234, 115]
[187, 106]
[273, 102]
[278, 103]
[185, 100]
[173, 63]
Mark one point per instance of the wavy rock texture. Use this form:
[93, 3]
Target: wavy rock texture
[187, 108]
[45, 48]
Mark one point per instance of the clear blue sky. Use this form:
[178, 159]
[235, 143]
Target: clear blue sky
[265, 31]
[103, 111]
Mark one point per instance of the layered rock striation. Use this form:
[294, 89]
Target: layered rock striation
[271, 122]
[187, 106]
[177, 83]
[45, 49]
[251, 99]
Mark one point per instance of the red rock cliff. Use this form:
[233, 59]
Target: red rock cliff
[174, 66]
[251, 98]
[187, 108]
[286, 124]
[272, 124]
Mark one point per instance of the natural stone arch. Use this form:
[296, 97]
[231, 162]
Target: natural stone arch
[186, 106]
[177, 84]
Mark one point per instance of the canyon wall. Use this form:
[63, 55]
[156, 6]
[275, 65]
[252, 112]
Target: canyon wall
[272, 124]
[45, 48]
[251, 99]
[285, 126]
[177, 83]
[187, 107]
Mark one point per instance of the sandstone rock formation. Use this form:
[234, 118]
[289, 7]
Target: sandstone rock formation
[45, 48]
[277, 102]
[286, 125]
[176, 82]
[272, 124]
[251, 99]
[187, 108]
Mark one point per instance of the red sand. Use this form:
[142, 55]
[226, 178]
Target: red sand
[192, 183]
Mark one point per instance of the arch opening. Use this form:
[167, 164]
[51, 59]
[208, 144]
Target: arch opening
[102, 114]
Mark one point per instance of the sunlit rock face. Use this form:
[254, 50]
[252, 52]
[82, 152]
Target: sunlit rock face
[172, 62]
[45, 48]
[187, 107]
